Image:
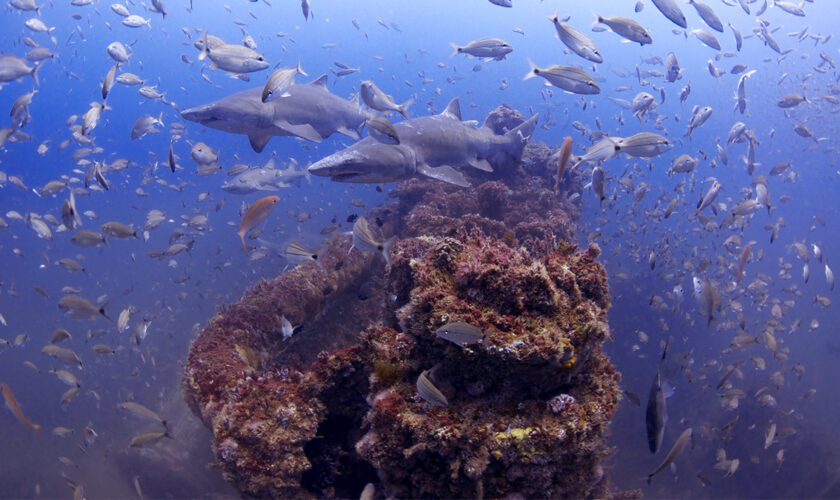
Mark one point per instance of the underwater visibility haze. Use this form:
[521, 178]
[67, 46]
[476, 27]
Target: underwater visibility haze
[430, 249]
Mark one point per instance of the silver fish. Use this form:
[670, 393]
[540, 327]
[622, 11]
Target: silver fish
[66, 377]
[119, 230]
[139, 411]
[279, 81]
[676, 450]
[656, 413]
[382, 130]
[707, 14]
[13, 67]
[683, 164]
[489, 48]
[706, 37]
[148, 439]
[671, 10]
[603, 150]
[79, 307]
[710, 196]
[296, 252]
[118, 52]
[699, 116]
[672, 68]
[567, 78]
[598, 183]
[579, 43]
[146, 125]
[644, 145]
[429, 392]
[739, 40]
[791, 100]
[234, 58]
[363, 240]
[376, 99]
[790, 7]
[459, 333]
[108, 83]
[87, 238]
[63, 354]
[129, 79]
[627, 28]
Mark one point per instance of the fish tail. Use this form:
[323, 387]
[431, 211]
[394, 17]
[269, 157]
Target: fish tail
[299, 70]
[455, 49]
[244, 246]
[403, 108]
[534, 69]
[386, 249]
[34, 74]
[203, 54]
[556, 16]
[103, 313]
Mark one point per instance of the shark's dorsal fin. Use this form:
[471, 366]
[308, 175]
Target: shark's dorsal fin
[321, 81]
[453, 109]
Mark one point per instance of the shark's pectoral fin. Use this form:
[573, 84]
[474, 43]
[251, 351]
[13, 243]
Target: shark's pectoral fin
[481, 164]
[303, 130]
[258, 142]
[444, 173]
[348, 132]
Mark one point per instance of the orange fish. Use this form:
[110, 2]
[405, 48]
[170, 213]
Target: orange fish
[256, 213]
[744, 255]
[12, 404]
[564, 154]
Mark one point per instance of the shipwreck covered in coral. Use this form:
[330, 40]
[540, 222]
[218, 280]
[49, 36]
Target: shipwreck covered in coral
[369, 392]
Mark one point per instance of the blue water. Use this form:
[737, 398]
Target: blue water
[123, 276]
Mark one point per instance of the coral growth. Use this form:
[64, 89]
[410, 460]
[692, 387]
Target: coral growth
[524, 411]
[502, 430]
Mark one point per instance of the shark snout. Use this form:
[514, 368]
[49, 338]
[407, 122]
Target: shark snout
[340, 163]
[196, 114]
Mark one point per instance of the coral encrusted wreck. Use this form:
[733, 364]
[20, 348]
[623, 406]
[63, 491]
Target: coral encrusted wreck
[367, 391]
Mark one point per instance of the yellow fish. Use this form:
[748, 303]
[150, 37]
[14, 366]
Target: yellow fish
[12, 404]
[256, 213]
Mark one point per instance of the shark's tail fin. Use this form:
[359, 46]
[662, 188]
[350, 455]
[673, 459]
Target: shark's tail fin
[524, 130]
[516, 140]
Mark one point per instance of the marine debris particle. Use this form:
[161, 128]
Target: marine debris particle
[328, 411]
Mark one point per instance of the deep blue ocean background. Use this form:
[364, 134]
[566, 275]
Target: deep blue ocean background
[179, 294]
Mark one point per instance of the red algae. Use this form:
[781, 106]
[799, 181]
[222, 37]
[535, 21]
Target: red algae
[336, 406]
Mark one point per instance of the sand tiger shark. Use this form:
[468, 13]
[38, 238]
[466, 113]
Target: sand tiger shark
[310, 112]
[429, 146]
